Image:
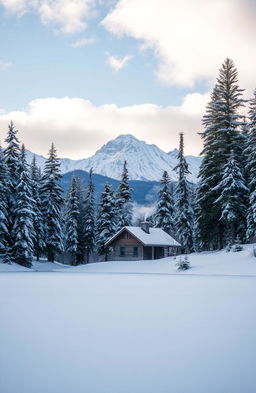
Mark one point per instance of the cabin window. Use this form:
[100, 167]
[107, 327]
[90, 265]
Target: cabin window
[122, 251]
[135, 252]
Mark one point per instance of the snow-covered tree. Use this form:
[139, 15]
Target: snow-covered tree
[164, 216]
[71, 220]
[232, 199]
[4, 191]
[89, 218]
[105, 225]
[183, 212]
[222, 123]
[245, 149]
[123, 200]
[12, 157]
[23, 231]
[38, 219]
[52, 203]
[251, 170]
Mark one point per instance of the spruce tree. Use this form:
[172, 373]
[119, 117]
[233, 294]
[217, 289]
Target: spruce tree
[123, 200]
[222, 124]
[245, 148]
[38, 220]
[89, 218]
[80, 253]
[106, 225]
[251, 170]
[23, 231]
[164, 216]
[52, 204]
[71, 219]
[232, 200]
[12, 158]
[4, 191]
[183, 212]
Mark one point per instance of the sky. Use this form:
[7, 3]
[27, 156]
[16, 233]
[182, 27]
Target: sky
[81, 72]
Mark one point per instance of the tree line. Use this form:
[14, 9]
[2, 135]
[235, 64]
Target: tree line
[36, 219]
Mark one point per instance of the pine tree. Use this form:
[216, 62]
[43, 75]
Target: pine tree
[23, 231]
[38, 220]
[106, 225]
[89, 218]
[123, 200]
[71, 218]
[52, 203]
[164, 217]
[222, 124]
[12, 157]
[4, 191]
[245, 149]
[251, 170]
[80, 253]
[232, 199]
[183, 212]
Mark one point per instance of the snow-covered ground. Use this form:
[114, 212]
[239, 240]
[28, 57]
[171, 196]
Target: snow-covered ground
[130, 332]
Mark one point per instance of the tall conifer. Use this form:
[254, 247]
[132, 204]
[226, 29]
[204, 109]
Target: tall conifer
[72, 220]
[164, 217]
[222, 124]
[123, 200]
[23, 230]
[89, 218]
[38, 219]
[52, 203]
[106, 225]
[183, 212]
[251, 170]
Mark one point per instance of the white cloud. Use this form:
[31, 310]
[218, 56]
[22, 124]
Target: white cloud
[69, 15]
[5, 65]
[117, 63]
[84, 42]
[78, 128]
[191, 38]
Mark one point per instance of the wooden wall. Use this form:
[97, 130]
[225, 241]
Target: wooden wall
[127, 241]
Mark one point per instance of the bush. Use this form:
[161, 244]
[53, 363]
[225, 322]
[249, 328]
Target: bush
[183, 263]
[237, 246]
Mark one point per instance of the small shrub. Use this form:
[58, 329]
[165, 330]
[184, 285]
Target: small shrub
[237, 246]
[183, 263]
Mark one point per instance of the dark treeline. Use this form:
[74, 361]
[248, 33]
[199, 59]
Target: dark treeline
[36, 219]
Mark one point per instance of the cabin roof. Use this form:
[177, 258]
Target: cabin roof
[155, 237]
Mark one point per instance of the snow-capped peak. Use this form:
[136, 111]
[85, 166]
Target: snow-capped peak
[144, 161]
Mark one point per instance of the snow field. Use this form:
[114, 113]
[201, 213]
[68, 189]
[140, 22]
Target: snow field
[120, 333]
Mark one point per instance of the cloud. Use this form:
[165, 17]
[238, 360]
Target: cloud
[117, 63]
[69, 16]
[190, 38]
[5, 65]
[79, 128]
[84, 42]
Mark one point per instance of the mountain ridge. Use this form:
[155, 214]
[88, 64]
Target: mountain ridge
[145, 161]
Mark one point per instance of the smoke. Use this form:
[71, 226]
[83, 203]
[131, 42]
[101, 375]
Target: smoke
[142, 213]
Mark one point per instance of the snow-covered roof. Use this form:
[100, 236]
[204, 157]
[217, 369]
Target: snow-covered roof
[155, 237]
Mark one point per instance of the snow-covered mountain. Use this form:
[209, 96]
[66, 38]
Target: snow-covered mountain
[144, 161]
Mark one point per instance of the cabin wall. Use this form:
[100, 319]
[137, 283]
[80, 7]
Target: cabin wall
[128, 242]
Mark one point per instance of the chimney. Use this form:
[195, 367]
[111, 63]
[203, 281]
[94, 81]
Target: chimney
[145, 226]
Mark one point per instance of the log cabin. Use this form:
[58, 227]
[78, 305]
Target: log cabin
[133, 243]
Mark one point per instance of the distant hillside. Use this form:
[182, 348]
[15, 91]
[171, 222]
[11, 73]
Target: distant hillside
[143, 192]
